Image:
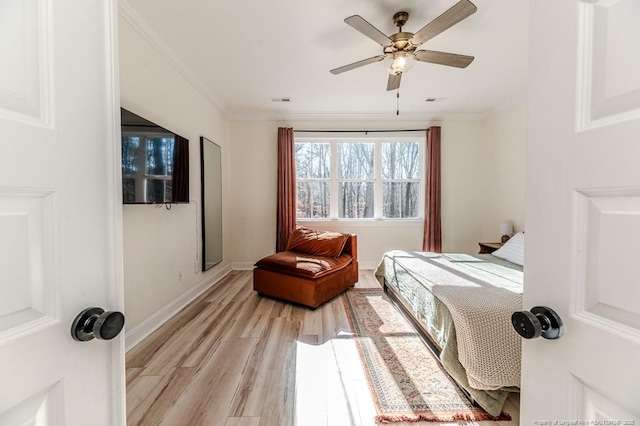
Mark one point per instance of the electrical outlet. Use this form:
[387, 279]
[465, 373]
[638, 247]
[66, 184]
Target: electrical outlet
[180, 275]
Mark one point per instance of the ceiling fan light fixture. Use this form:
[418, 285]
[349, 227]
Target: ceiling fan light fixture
[398, 62]
[399, 49]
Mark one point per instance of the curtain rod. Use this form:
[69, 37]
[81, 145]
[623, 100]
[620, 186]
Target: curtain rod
[359, 131]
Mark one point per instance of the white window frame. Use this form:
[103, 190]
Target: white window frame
[377, 191]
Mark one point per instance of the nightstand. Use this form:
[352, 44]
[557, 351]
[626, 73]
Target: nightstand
[489, 247]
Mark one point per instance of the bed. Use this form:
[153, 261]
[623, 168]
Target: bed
[462, 305]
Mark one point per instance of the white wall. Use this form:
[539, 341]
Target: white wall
[253, 176]
[158, 243]
[505, 135]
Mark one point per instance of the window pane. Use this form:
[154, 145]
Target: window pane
[355, 160]
[129, 190]
[355, 199]
[313, 160]
[400, 160]
[160, 156]
[130, 145]
[400, 199]
[313, 200]
[157, 189]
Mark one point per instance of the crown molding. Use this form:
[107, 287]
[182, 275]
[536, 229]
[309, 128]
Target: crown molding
[132, 16]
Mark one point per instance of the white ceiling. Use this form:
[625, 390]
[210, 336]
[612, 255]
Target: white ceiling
[243, 53]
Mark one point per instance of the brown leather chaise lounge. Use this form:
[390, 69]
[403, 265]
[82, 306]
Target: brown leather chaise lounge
[317, 266]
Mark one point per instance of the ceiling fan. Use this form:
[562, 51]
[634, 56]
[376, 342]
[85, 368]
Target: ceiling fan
[399, 50]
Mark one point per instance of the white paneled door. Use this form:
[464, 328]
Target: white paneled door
[583, 212]
[60, 214]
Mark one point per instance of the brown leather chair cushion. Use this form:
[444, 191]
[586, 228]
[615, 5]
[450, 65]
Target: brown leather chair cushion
[304, 265]
[318, 243]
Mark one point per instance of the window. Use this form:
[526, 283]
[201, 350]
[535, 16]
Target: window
[359, 179]
[313, 172]
[356, 179]
[400, 179]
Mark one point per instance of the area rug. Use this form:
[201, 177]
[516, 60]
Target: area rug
[407, 382]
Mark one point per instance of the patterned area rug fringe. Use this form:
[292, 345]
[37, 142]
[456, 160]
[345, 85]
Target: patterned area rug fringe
[398, 418]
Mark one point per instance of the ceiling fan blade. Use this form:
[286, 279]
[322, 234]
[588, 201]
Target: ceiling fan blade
[443, 58]
[360, 24]
[394, 81]
[461, 10]
[357, 64]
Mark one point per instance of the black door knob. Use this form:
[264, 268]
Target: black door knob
[96, 323]
[541, 321]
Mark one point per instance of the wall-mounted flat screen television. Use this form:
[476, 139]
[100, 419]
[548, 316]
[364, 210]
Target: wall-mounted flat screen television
[155, 162]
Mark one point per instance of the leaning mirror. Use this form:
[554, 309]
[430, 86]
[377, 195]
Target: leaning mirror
[211, 171]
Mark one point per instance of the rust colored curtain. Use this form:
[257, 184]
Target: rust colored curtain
[180, 178]
[432, 226]
[286, 213]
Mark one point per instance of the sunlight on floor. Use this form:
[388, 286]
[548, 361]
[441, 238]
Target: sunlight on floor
[330, 385]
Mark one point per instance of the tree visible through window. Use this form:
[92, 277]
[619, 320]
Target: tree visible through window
[354, 179]
[400, 179]
[313, 173]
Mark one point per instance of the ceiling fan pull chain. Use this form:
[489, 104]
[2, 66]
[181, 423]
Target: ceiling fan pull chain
[398, 102]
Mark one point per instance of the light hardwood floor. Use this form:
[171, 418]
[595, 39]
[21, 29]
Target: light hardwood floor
[234, 358]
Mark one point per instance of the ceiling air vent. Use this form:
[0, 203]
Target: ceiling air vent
[280, 99]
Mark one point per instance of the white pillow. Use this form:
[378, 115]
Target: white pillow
[512, 250]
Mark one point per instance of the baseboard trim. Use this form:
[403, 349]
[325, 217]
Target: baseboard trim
[242, 266]
[138, 334]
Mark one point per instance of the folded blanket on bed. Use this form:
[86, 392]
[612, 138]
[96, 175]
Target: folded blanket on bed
[481, 298]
